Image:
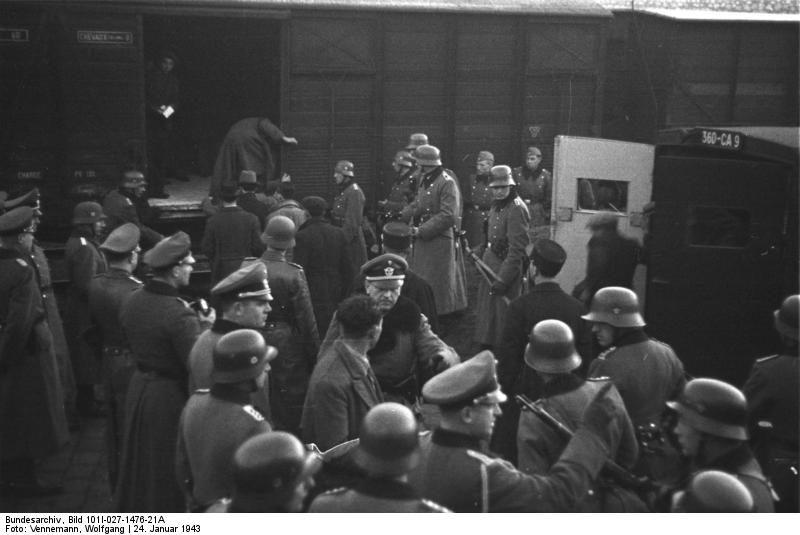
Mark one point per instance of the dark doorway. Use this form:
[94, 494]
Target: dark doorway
[228, 69]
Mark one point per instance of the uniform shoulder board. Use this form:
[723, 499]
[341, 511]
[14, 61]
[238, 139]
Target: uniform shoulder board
[298, 266]
[599, 379]
[83, 241]
[249, 409]
[355, 186]
[435, 507]
[134, 279]
[333, 492]
[482, 457]
[127, 201]
[21, 262]
[519, 202]
[767, 358]
[606, 353]
[183, 302]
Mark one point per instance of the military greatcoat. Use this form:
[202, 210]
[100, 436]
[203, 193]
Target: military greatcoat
[505, 251]
[374, 495]
[436, 256]
[32, 419]
[477, 203]
[347, 212]
[161, 343]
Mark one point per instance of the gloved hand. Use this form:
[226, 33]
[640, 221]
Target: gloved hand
[599, 415]
[499, 288]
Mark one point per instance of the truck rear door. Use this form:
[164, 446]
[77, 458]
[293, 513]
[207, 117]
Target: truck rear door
[592, 175]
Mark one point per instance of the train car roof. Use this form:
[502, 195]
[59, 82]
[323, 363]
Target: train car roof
[582, 8]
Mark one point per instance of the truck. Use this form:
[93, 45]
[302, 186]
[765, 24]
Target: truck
[721, 239]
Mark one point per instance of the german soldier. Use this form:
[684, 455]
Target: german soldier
[712, 491]
[478, 201]
[711, 431]
[388, 449]
[216, 422]
[127, 204]
[107, 292]
[536, 190]
[291, 327]
[347, 211]
[456, 472]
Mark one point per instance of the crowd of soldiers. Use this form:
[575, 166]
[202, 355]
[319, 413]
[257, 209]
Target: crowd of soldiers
[318, 379]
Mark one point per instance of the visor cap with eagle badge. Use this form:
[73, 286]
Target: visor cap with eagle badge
[386, 271]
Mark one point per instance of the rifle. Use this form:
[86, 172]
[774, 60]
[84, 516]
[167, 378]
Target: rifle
[617, 473]
[482, 267]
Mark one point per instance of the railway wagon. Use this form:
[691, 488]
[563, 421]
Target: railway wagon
[351, 79]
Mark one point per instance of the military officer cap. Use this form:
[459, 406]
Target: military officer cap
[416, 140]
[280, 232]
[387, 269]
[501, 177]
[388, 441]
[547, 255]
[248, 282]
[17, 221]
[133, 179]
[428, 155]
[533, 151]
[714, 491]
[240, 355]
[786, 317]
[30, 198]
[603, 220]
[396, 235]
[343, 167]
[471, 382]
[169, 251]
[247, 177]
[485, 156]
[122, 240]
[316, 206]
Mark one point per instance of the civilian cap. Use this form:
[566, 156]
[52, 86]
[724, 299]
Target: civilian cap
[316, 206]
[169, 251]
[345, 168]
[240, 355]
[386, 267]
[416, 140]
[248, 282]
[502, 176]
[388, 441]
[396, 235]
[603, 220]
[122, 239]
[547, 253]
[533, 150]
[280, 232]
[428, 155]
[16, 221]
[551, 348]
[786, 317]
[248, 177]
[87, 212]
[485, 156]
[133, 179]
[470, 382]
[30, 198]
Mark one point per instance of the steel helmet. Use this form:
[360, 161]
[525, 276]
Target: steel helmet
[416, 140]
[713, 491]
[428, 155]
[551, 348]
[786, 317]
[713, 407]
[501, 176]
[267, 469]
[240, 355]
[388, 442]
[617, 306]
[280, 232]
[87, 212]
[344, 168]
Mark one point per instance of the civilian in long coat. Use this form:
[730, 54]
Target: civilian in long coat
[343, 387]
[83, 260]
[320, 249]
[161, 329]
[435, 216]
[32, 419]
[247, 145]
[504, 254]
[347, 212]
[230, 236]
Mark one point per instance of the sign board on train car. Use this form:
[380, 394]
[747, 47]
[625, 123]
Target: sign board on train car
[102, 37]
[14, 35]
[721, 139]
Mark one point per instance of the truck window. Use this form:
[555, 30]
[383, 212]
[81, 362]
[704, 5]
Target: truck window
[600, 194]
[718, 226]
